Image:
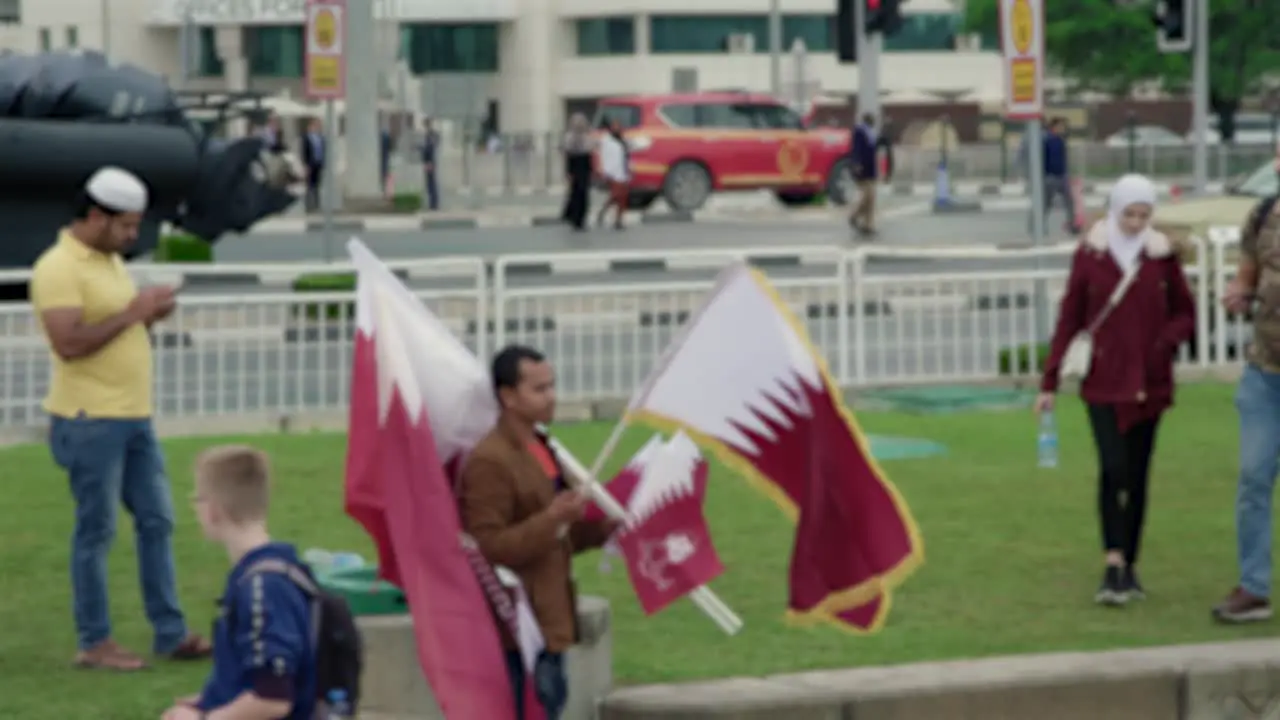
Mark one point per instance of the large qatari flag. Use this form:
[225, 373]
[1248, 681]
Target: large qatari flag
[398, 489]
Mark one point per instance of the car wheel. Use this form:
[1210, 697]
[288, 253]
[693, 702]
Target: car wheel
[840, 185]
[796, 199]
[687, 186]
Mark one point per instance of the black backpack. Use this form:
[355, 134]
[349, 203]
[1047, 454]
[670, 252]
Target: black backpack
[334, 635]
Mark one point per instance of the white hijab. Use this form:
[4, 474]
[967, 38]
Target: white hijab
[1128, 190]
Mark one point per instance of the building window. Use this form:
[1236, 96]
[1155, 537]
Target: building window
[73, 37]
[10, 12]
[46, 39]
[207, 62]
[684, 34]
[817, 32]
[710, 33]
[607, 36]
[925, 32]
[276, 51]
[451, 47]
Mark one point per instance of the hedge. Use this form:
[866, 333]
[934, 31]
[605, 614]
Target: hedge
[325, 283]
[1017, 360]
[406, 202]
[183, 248]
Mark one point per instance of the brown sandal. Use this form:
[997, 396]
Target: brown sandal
[193, 647]
[107, 655]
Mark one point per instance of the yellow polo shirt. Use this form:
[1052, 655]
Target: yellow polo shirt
[114, 382]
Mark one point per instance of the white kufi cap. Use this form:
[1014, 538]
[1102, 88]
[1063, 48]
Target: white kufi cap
[118, 190]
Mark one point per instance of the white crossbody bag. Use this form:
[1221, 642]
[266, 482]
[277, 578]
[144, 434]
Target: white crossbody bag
[1078, 359]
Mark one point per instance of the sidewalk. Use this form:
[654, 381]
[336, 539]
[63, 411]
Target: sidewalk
[963, 188]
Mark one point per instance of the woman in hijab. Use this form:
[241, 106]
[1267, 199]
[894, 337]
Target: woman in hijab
[615, 167]
[1126, 310]
[578, 148]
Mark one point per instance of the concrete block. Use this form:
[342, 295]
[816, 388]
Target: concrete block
[393, 684]
[731, 699]
[1244, 684]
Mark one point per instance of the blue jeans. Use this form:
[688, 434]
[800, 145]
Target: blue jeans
[1258, 400]
[110, 462]
[550, 684]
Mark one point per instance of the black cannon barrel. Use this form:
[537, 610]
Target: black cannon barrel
[58, 156]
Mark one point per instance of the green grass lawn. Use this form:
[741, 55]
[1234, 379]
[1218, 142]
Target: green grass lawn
[1013, 559]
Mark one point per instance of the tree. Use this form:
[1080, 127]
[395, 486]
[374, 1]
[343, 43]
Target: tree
[1104, 46]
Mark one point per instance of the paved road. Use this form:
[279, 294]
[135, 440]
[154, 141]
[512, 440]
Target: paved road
[764, 232]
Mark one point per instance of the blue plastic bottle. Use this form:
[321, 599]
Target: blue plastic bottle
[339, 708]
[1047, 442]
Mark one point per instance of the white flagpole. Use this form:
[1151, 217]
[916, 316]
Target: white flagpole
[706, 600]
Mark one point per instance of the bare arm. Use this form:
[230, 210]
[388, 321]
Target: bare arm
[72, 338]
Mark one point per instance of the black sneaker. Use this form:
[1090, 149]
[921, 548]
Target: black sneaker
[1112, 591]
[1132, 585]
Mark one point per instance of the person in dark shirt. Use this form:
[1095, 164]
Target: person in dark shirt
[1057, 178]
[430, 147]
[315, 153]
[263, 663]
[863, 150]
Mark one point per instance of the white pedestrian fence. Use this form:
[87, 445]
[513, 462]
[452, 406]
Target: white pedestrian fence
[880, 315]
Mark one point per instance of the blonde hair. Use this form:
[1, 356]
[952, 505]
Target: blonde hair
[237, 478]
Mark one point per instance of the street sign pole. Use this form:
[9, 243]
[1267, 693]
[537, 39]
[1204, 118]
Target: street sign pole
[327, 80]
[1022, 37]
[1200, 99]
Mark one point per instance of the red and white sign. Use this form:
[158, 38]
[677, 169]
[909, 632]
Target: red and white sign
[1022, 36]
[326, 49]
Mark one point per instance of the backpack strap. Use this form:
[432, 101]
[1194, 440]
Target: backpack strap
[300, 578]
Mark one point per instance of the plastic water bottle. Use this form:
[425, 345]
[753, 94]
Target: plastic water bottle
[339, 708]
[320, 561]
[345, 561]
[1047, 443]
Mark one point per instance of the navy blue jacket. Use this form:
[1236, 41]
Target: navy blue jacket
[863, 153]
[429, 143]
[1055, 155]
[268, 651]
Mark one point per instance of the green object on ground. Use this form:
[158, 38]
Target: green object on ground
[1017, 360]
[182, 248]
[406, 202]
[886, 448]
[945, 399]
[364, 592]
[325, 283]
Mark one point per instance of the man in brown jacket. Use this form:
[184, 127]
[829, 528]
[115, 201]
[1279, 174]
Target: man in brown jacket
[522, 514]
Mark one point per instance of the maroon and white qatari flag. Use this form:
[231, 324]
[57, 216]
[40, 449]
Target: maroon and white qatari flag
[666, 543]
[419, 402]
[744, 378]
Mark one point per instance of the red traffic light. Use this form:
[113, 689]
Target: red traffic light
[873, 5]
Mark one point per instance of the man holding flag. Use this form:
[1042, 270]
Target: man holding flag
[516, 504]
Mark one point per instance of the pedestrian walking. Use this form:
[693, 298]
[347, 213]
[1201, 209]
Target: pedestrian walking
[579, 147]
[1126, 310]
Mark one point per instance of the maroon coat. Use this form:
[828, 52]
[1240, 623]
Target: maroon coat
[1134, 348]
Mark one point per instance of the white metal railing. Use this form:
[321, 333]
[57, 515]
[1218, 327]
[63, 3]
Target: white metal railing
[880, 315]
[250, 353]
[1230, 332]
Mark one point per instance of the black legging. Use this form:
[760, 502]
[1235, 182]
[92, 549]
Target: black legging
[577, 202]
[1124, 464]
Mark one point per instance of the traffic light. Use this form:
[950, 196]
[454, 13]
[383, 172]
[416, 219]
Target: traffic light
[884, 16]
[846, 43]
[879, 16]
[1173, 19]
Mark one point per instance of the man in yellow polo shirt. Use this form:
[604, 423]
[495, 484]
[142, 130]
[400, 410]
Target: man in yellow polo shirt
[99, 404]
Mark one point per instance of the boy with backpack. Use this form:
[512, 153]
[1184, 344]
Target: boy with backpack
[283, 648]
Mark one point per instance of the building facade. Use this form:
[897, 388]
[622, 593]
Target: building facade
[522, 63]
